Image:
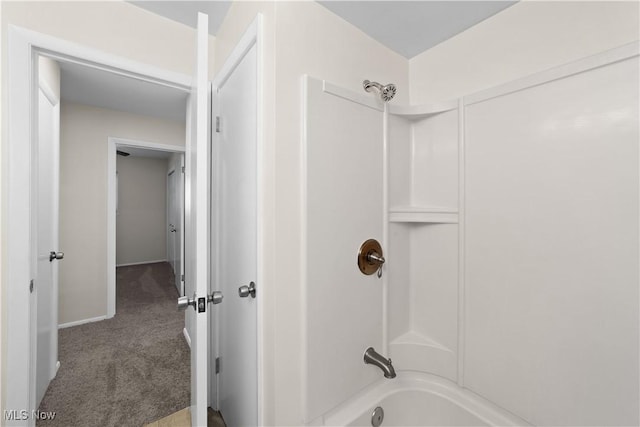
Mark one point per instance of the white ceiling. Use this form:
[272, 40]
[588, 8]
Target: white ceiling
[407, 27]
[89, 86]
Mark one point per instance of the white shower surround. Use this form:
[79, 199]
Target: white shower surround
[417, 351]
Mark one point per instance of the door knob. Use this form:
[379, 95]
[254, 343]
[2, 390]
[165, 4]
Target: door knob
[245, 291]
[55, 255]
[184, 302]
[215, 297]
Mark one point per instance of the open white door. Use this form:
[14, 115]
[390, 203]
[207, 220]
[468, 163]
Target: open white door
[197, 228]
[46, 283]
[236, 234]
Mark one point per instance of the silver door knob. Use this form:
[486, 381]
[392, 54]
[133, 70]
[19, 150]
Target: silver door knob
[215, 297]
[245, 291]
[184, 302]
[55, 255]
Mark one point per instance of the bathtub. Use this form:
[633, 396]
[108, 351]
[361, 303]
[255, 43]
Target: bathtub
[415, 399]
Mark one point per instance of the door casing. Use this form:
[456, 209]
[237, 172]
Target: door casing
[19, 175]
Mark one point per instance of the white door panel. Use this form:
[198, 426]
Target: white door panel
[236, 172]
[46, 283]
[197, 229]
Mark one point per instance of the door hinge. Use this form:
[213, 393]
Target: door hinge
[217, 365]
[182, 278]
[182, 169]
[217, 123]
[31, 286]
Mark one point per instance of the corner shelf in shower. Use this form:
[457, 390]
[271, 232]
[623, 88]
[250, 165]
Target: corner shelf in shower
[427, 215]
[418, 112]
[415, 338]
[414, 351]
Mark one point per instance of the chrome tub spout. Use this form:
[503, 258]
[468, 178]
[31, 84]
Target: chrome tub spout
[374, 358]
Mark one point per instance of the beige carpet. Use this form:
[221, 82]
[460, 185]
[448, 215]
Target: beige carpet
[130, 370]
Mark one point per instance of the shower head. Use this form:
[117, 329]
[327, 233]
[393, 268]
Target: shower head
[387, 92]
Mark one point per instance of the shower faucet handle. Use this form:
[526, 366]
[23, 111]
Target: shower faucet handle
[375, 258]
[370, 257]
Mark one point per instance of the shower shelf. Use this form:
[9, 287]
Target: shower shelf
[417, 112]
[433, 215]
[415, 338]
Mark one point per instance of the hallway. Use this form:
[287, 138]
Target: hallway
[129, 370]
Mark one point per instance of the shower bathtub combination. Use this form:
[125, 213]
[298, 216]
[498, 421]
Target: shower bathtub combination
[477, 283]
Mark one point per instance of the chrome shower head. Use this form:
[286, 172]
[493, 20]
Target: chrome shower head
[387, 92]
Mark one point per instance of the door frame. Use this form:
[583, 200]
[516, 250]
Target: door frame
[20, 129]
[114, 144]
[253, 36]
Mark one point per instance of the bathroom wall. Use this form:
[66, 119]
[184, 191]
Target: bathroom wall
[141, 222]
[537, 302]
[84, 131]
[342, 209]
[308, 39]
[551, 249]
[527, 37]
[311, 40]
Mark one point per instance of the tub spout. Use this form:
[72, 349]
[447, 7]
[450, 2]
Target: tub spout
[373, 357]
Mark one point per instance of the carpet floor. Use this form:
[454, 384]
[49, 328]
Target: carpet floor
[129, 370]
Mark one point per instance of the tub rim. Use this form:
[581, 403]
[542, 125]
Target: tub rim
[371, 396]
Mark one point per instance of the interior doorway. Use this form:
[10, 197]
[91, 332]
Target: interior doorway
[100, 103]
[173, 230]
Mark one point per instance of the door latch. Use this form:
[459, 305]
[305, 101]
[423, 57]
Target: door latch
[55, 255]
[199, 304]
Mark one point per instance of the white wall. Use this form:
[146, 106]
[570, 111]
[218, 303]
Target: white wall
[141, 222]
[83, 199]
[49, 72]
[527, 37]
[308, 39]
[547, 380]
[551, 258]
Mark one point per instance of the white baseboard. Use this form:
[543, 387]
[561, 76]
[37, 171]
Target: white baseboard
[81, 322]
[186, 337]
[57, 368]
[127, 264]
